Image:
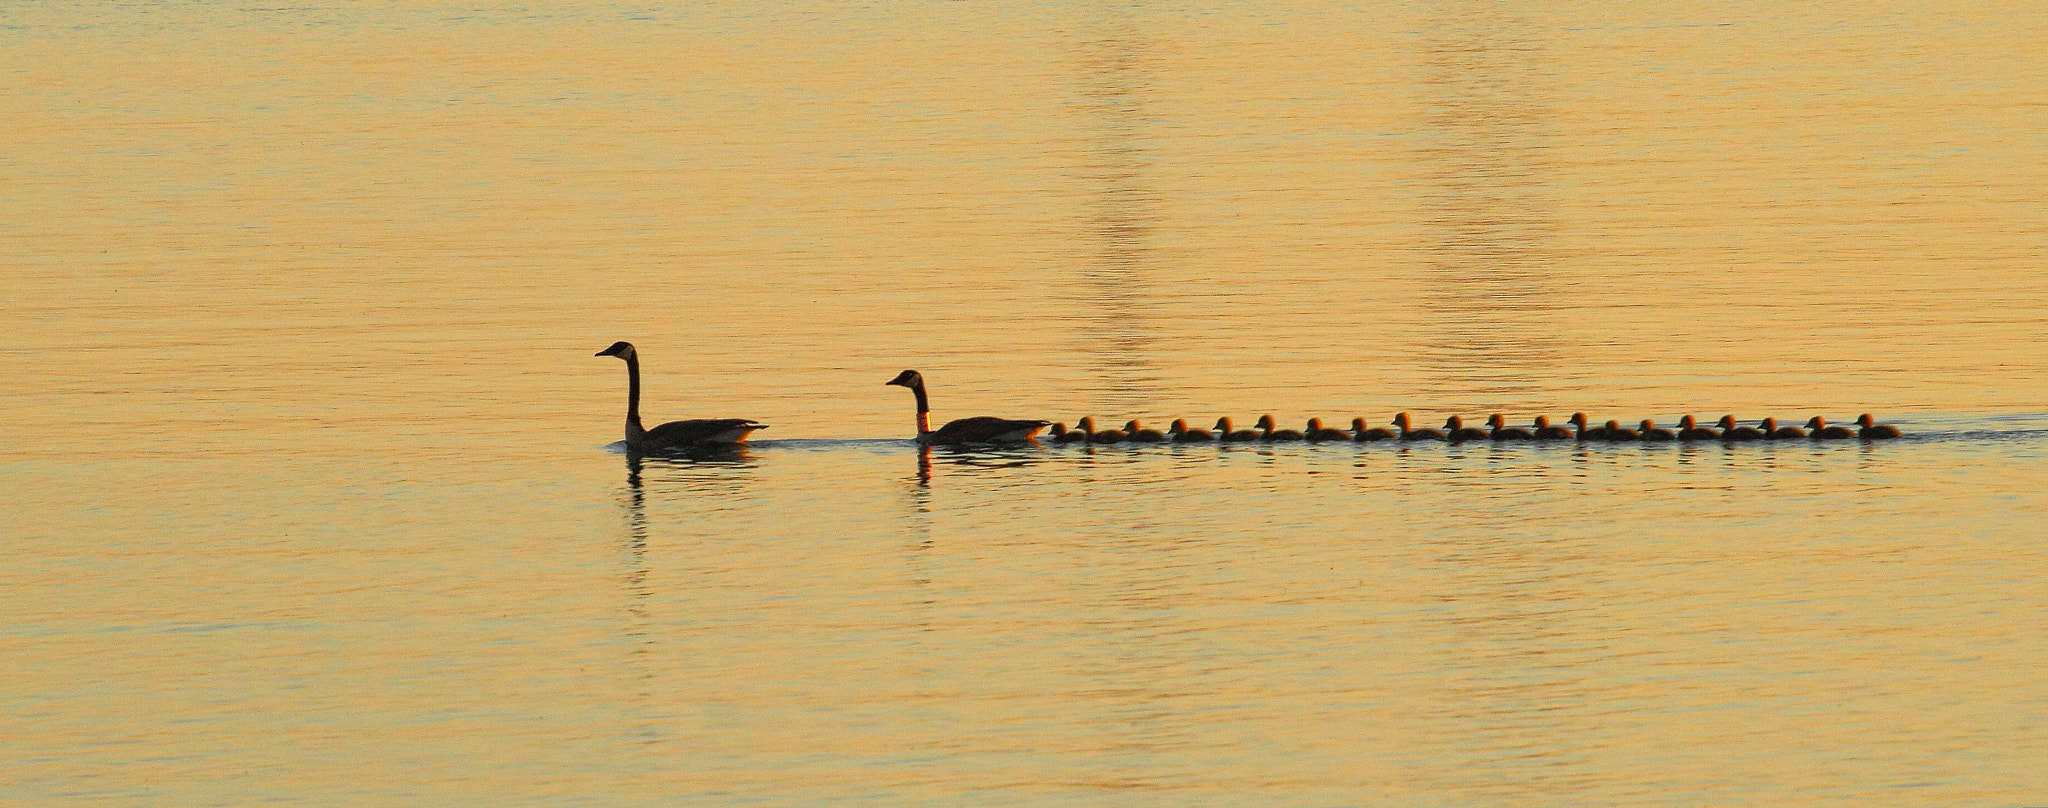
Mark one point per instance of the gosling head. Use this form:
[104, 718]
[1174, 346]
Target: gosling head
[1542, 422]
[1086, 425]
[1688, 423]
[1496, 421]
[1816, 422]
[1866, 421]
[1179, 425]
[1613, 425]
[1726, 422]
[1578, 420]
[1769, 425]
[908, 378]
[621, 349]
[1223, 424]
[1358, 424]
[1315, 424]
[1401, 420]
[1454, 423]
[1648, 425]
[1131, 426]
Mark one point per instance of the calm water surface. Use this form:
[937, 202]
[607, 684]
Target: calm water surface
[311, 498]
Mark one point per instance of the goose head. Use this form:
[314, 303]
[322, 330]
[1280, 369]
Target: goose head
[908, 378]
[621, 349]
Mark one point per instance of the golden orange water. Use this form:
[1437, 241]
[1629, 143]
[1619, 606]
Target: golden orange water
[304, 441]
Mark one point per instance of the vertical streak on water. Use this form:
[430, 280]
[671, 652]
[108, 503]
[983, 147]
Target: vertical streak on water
[1116, 277]
[1490, 338]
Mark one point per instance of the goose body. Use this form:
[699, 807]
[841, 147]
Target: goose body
[1317, 432]
[1614, 431]
[1182, 434]
[1456, 431]
[1772, 431]
[1269, 434]
[1409, 434]
[965, 430]
[674, 435]
[1225, 433]
[1818, 429]
[1544, 431]
[1087, 427]
[1731, 432]
[1872, 430]
[1688, 429]
[1139, 434]
[1362, 435]
[1498, 429]
[1651, 432]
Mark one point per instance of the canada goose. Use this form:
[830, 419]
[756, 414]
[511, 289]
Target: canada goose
[1731, 432]
[1872, 430]
[1585, 432]
[1060, 434]
[1614, 431]
[1456, 431]
[1772, 431]
[1401, 420]
[966, 430]
[1139, 434]
[1651, 432]
[1182, 434]
[1362, 435]
[1688, 429]
[1818, 429]
[1317, 432]
[1498, 429]
[1544, 431]
[1087, 427]
[1270, 434]
[673, 435]
[1225, 433]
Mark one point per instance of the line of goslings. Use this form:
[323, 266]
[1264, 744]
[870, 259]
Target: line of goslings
[1454, 430]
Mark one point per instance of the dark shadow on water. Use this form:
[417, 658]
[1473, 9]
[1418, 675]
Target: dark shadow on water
[1117, 280]
[1492, 303]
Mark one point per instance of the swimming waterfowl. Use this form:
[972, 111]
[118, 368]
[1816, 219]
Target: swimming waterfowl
[1270, 434]
[1182, 434]
[1585, 432]
[1317, 432]
[1772, 431]
[1455, 431]
[1688, 429]
[1544, 431]
[1614, 431]
[1731, 432]
[983, 429]
[1401, 420]
[1872, 430]
[1060, 434]
[1651, 432]
[1362, 435]
[1139, 434]
[1818, 429]
[1225, 433]
[1498, 429]
[674, 435]
[1087, 427]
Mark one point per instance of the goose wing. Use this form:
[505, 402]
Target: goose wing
[703, 430]
[987, 430]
